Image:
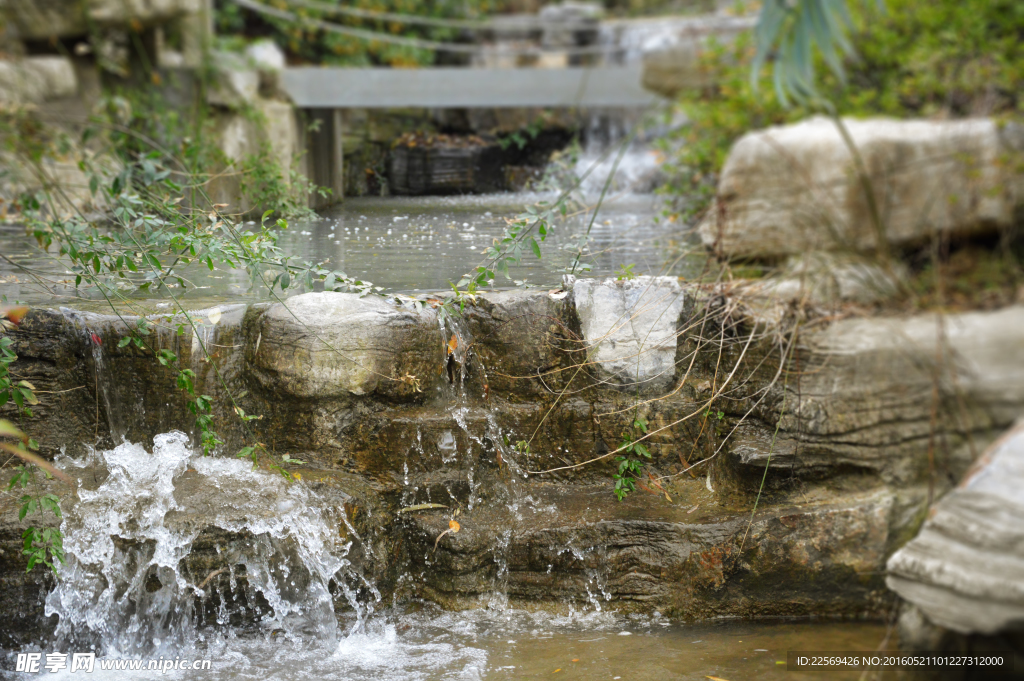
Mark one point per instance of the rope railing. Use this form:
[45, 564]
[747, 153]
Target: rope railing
[417, 43]
[437, 22]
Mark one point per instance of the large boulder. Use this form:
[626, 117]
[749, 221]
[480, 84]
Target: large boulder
[965, 570]
[326, 345]
[871, 391]
[630, 329]
[36, 79]
[235, 83]
[794, 188]
[40, 19]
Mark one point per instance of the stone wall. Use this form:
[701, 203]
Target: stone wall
[875, 418]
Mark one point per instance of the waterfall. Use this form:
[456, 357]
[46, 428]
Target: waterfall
[130, 587]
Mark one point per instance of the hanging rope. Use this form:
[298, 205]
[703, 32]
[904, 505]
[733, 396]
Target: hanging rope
[417, 43]
[416, 20]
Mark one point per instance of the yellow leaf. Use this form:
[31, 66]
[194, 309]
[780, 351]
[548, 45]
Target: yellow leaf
[15, 314]
[38, 461]
[297, 476]
[454, 526]
[9, 429]
[453, 344]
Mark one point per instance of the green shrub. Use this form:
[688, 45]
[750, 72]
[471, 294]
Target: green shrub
[307, 44]
[942, 58]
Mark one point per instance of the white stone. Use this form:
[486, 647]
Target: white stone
[320, 345]
[36, 79]
[236, 83]
[965, 569]
[265, 55]
[794, 188]
[630, 328]
[826, 279]
[123, 11]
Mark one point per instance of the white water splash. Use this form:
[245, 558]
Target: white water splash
[126, 589]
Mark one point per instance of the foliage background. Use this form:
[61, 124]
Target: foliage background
[322, 47]
[942, 58]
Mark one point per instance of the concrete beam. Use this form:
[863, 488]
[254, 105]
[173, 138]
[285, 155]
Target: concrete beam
[455, 87]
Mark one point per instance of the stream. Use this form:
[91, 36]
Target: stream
[303, 608]
[135, 597]
[420, 244]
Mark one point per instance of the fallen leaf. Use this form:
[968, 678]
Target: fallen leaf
[96, 339]
[15, 314]
[214, 315]
[575, 659]
[421, 507]
[453, 344]
[453, 527]
[715, 678]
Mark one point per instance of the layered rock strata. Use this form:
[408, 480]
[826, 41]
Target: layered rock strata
[400, 407]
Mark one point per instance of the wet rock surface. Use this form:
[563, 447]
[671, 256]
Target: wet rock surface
[965, 570]
[685, 558]
[335, 344]
[630, 329]
[848, 469]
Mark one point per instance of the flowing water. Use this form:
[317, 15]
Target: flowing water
[294, 602]
[128, 594]
[417, 244]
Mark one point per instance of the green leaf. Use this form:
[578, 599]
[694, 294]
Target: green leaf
[535, 246]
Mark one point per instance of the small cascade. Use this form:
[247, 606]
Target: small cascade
[133, 584]
[107, 389]
[506, 503]
[464, 391]
[633, 170]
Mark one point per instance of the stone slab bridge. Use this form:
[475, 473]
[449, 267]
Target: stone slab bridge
[322, 93]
